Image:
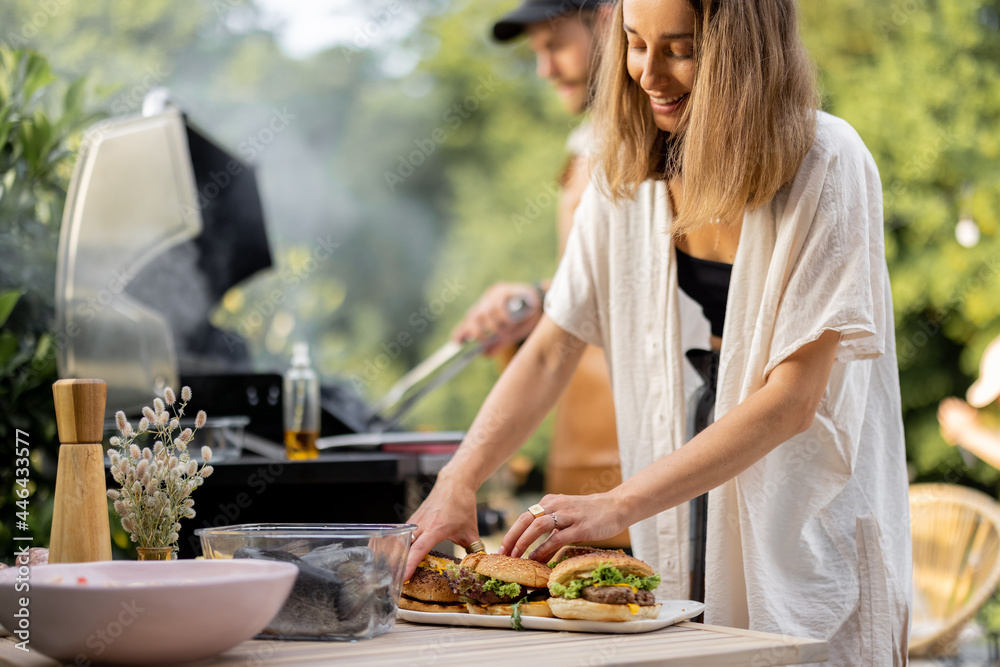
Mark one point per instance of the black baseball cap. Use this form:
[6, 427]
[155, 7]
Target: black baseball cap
[535, 11]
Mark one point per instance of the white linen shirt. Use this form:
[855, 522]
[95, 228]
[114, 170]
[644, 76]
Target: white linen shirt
[813, 540]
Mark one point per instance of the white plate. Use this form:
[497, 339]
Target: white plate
[672, 611]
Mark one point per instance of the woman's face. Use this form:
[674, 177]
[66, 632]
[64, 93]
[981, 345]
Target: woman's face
[660, 36]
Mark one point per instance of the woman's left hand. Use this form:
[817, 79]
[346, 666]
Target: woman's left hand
[571, 519]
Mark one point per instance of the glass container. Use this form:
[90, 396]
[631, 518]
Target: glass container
[350, 575]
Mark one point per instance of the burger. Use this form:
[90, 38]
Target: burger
[603, 587]
[492, 584]
[429, 589]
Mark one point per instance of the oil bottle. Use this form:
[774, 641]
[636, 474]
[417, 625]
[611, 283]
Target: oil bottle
[301, 406]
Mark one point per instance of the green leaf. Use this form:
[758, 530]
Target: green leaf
[8, 347]
[8, 300]
[73, 100]
[45, 352]
[38, 140]
[515, 615]
[37, 74]
[6, 123]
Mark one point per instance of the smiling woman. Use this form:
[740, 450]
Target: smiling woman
[712, 145]
[661, 64]
[689, 65]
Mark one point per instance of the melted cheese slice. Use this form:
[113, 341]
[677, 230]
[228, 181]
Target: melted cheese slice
[634, 608]
[439, 565]
[634, 589]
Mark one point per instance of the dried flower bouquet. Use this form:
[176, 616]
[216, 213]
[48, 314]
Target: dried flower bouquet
[156, 484]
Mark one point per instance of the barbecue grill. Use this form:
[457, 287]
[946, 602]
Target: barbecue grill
[160, 222]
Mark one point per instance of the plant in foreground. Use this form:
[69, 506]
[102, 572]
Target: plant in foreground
[156, 483]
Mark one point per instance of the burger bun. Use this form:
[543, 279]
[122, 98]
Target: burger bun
[536, 608]
[439, 608]
[528, 573]
[584, 610]
[573, 550]
[429, 586]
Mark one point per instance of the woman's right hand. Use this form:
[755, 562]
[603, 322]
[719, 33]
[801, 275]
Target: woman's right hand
[490, 320]
[448, 513]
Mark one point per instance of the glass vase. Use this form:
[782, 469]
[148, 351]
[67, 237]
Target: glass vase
[156, 553]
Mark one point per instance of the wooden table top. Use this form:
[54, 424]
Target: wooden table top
[435, 646]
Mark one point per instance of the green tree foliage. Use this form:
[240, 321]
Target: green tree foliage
[321, 178]
[920, 81]
[39, 122]
[502, 163]
[114, 42]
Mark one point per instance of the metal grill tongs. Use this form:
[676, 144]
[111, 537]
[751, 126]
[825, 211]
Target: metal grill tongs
[434, 371]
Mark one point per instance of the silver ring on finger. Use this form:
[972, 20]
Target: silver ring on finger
[554, 521]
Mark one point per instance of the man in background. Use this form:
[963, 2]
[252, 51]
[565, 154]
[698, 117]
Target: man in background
[583, 457]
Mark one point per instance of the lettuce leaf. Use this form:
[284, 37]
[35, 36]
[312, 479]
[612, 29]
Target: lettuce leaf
[501, 588]
[476, 588]
[515, 615]
[603, 575]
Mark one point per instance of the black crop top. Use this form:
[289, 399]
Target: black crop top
[706, 282]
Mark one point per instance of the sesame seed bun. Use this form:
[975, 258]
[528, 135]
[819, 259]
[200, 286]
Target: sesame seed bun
[528, 573]
[581, 567]
[572, 550]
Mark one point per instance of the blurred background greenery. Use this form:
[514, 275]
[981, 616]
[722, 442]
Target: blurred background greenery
[426, 151]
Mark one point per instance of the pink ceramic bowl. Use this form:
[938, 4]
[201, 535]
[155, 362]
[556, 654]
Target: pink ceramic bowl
[150, 613]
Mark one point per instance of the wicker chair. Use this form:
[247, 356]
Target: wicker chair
[956, 562]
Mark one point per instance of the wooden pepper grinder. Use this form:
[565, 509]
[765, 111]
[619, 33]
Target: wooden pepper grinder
[80, 530]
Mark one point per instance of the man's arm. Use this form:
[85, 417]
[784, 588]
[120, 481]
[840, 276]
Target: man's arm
[513, 410]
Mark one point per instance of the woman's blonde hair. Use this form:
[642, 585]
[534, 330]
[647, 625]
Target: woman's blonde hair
[749, 121]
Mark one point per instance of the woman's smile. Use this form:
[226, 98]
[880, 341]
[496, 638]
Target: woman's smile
[663, 104]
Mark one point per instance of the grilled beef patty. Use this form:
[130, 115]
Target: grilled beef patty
[618, 595]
